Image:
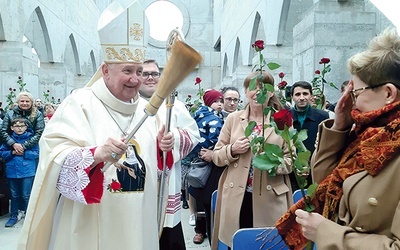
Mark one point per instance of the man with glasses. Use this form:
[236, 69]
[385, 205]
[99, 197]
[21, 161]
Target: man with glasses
[151, 75]
[305, 117]
[186, 134]
[231, 100]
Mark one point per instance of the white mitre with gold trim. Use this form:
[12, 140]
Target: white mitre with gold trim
[123, 31]
[121, 28]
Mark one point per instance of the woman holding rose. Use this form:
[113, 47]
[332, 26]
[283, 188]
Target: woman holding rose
[356, 163]
[247, 197]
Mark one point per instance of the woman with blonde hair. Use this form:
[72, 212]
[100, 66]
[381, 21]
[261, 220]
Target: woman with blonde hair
[25, 108]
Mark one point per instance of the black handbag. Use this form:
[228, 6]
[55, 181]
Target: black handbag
[199, 172]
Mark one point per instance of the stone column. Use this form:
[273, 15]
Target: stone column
[239, 75]
[17, 59]
[58, 80]
[332, 29]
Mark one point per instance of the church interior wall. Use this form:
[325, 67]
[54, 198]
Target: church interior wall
[313, 29]
[297, 35]
[48, 25]
[198, 16]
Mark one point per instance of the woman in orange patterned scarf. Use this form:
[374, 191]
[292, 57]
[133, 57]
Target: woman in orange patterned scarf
[357, 161]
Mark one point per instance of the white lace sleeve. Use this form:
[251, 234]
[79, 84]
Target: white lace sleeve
[73, 177]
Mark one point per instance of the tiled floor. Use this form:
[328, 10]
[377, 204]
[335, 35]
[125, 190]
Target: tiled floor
[188, 231]
[9, 236]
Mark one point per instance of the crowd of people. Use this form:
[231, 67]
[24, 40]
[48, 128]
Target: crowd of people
[59, 167]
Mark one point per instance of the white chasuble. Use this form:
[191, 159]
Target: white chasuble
[120, 220]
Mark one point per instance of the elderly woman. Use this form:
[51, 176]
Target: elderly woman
[49, 110]
[358, 198]
[26, 109]
[247, 197]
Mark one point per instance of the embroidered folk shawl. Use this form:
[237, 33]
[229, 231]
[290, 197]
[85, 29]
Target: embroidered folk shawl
[377, 142]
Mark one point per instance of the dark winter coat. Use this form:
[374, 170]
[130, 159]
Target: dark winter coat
[35, 125]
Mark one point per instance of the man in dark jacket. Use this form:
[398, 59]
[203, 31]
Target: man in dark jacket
[305, 117]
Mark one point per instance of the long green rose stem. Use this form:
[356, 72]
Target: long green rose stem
[307, 202]
[299, 182]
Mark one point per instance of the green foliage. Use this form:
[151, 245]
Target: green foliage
[21, 84]
[264, 154]
[318, 83]
[298, 138]
[268, 157]
[273, 66]
[249, 128]
[46, 96]
[10, 98]
[267, 110]
[13, 92]
[192, 107]
[195, 106]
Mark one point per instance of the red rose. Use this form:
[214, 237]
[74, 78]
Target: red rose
[19, 77]
[258, 45]
[317, 72]
[189, 96]
[115, 185]
[48, 91]
[281, 75]
[198, 81]
[324, 60]
[283, 117]
[10, 89]
[282, 85]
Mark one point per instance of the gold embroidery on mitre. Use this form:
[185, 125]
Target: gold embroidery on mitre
[112, 54]
[125, 54]
[136, 32]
